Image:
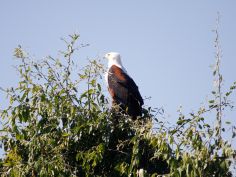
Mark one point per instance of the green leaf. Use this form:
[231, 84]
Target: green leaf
[99, 87]
[211, 101]
[65, 134]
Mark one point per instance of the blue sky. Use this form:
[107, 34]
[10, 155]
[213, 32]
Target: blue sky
[166, 46]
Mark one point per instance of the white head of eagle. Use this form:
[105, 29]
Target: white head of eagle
[121, 86]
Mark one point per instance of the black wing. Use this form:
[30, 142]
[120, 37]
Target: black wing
[124, 90]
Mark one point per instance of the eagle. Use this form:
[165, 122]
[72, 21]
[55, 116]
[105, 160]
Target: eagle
[121, 86]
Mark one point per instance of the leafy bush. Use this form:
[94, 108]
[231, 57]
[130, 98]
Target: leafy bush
[55, 126]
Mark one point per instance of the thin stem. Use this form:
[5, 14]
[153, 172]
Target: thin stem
[218, 79]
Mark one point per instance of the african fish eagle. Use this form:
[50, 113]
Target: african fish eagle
[121, 86]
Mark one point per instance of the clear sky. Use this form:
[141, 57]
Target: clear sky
[166, 46]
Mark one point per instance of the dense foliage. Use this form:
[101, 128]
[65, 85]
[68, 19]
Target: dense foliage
[59, 123]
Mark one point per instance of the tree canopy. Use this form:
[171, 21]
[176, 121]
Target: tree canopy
[60, 123]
